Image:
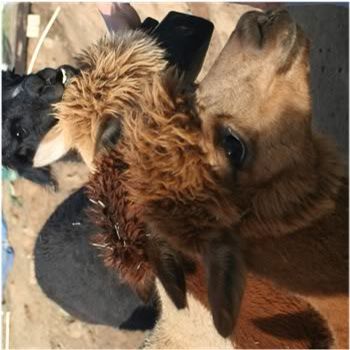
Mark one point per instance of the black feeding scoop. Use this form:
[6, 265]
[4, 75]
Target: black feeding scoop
[186, 39]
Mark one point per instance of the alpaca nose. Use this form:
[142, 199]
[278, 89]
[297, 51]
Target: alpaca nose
[36, 83]
[50, 76]
[33, 85]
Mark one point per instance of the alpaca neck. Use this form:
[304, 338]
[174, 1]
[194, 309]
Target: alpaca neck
[298, 198]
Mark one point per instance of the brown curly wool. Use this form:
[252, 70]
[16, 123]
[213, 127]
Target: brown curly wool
[183, 199]
[169, 171]
[123, 236]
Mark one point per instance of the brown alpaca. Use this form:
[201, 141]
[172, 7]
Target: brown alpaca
[239, 153]
[289, 189]
[183, 201]
[182, 180]
[142, 99]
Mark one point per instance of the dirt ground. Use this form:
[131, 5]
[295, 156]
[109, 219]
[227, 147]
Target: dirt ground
[35, 321]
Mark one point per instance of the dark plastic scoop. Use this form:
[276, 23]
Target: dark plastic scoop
[186, 39]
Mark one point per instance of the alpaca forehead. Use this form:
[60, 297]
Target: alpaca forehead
[82, 111]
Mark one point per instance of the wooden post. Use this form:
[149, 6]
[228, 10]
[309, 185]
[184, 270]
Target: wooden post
[21, 41]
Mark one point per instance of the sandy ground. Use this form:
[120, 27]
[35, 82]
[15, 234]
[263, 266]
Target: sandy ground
[36, 322]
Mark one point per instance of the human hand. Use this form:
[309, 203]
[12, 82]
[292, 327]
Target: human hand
[263, 5]
[118, 16]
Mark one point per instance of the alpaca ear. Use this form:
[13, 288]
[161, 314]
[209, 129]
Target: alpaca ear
[169, 269]
[108, 133]
[226, 280]
[215, 89]
[51, 148]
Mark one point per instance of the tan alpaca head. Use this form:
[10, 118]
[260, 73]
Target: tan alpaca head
[255, 106]
[257, 95]
[113, 75]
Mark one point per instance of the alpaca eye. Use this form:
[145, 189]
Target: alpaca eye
[20, 133]
[234, 148]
